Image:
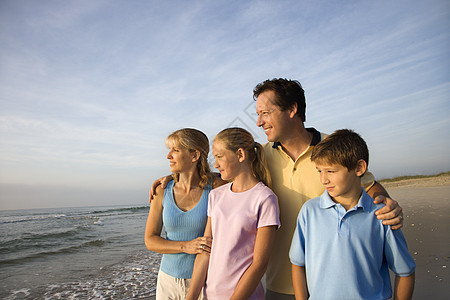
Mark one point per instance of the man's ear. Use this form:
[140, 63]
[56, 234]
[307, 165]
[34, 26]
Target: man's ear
[240, 154]
[293, 110]
[361, 167]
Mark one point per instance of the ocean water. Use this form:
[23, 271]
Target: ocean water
[76, 253]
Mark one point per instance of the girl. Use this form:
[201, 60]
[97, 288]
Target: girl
[242, 220]
[182, 208]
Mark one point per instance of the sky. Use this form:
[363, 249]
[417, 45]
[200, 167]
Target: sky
[90, 89]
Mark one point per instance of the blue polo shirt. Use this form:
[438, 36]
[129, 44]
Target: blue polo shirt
[347, 254]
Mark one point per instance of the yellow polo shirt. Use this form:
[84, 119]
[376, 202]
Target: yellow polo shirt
[294, 182]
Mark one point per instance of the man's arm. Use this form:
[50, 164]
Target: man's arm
[391, 213]
[404, 287]
[163, 181]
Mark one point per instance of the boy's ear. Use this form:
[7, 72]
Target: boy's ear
[240, 154]
[361, 167]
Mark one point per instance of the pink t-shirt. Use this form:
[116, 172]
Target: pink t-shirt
[235, 218]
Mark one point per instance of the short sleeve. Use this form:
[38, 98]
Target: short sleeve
[210, 203]
[297, 250]
[397, 255]
[269, 212]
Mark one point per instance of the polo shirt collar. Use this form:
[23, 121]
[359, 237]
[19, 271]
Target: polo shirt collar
[326, 201]
[365, 202]
[315, 139]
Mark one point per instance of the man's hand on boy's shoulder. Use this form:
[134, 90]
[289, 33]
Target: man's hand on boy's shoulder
[391, 213]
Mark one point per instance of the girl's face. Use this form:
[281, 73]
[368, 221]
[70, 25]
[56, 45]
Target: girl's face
[226, 161]
[180, 159]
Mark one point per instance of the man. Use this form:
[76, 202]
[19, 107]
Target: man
[281, 107]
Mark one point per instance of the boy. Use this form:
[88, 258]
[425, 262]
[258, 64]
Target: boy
[339, 249]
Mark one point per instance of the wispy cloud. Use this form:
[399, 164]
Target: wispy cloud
[90, 89]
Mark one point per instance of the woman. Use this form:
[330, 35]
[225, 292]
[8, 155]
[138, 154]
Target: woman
[242, 219]
[182, 208]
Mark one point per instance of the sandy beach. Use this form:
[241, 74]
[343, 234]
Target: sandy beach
[426, 208]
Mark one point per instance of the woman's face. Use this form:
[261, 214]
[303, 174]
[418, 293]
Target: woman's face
[180, 159]
[226, 161]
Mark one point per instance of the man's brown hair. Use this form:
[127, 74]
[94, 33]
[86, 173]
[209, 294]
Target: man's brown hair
[287, 94]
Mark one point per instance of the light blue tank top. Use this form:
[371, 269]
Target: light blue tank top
[182, 226]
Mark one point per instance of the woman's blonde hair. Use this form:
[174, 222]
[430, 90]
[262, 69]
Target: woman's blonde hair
[193, 140]
[235, 138]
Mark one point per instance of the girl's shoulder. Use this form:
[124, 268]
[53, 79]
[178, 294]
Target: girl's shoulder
[265, 190]
[221, 189]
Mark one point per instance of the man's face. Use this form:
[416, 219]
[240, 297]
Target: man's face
[270, 117]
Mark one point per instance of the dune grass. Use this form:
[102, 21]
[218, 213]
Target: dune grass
[413, 177]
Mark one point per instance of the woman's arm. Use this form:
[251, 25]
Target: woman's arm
[404, 287]
[299, 282]
[153, 240]
[391, 213]
[200, 268]
[252, 276]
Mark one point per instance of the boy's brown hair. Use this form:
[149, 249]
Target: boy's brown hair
[344, 147]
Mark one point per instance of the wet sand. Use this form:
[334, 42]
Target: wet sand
[426, 207]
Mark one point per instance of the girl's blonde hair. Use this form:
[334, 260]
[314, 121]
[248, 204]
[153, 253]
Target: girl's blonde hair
[235, 138]
[193, 140]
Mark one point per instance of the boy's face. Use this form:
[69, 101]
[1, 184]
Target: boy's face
[339, 181]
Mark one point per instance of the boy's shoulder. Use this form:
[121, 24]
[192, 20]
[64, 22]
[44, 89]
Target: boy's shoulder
[368, 204]
[310, 205]
[313, 202]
